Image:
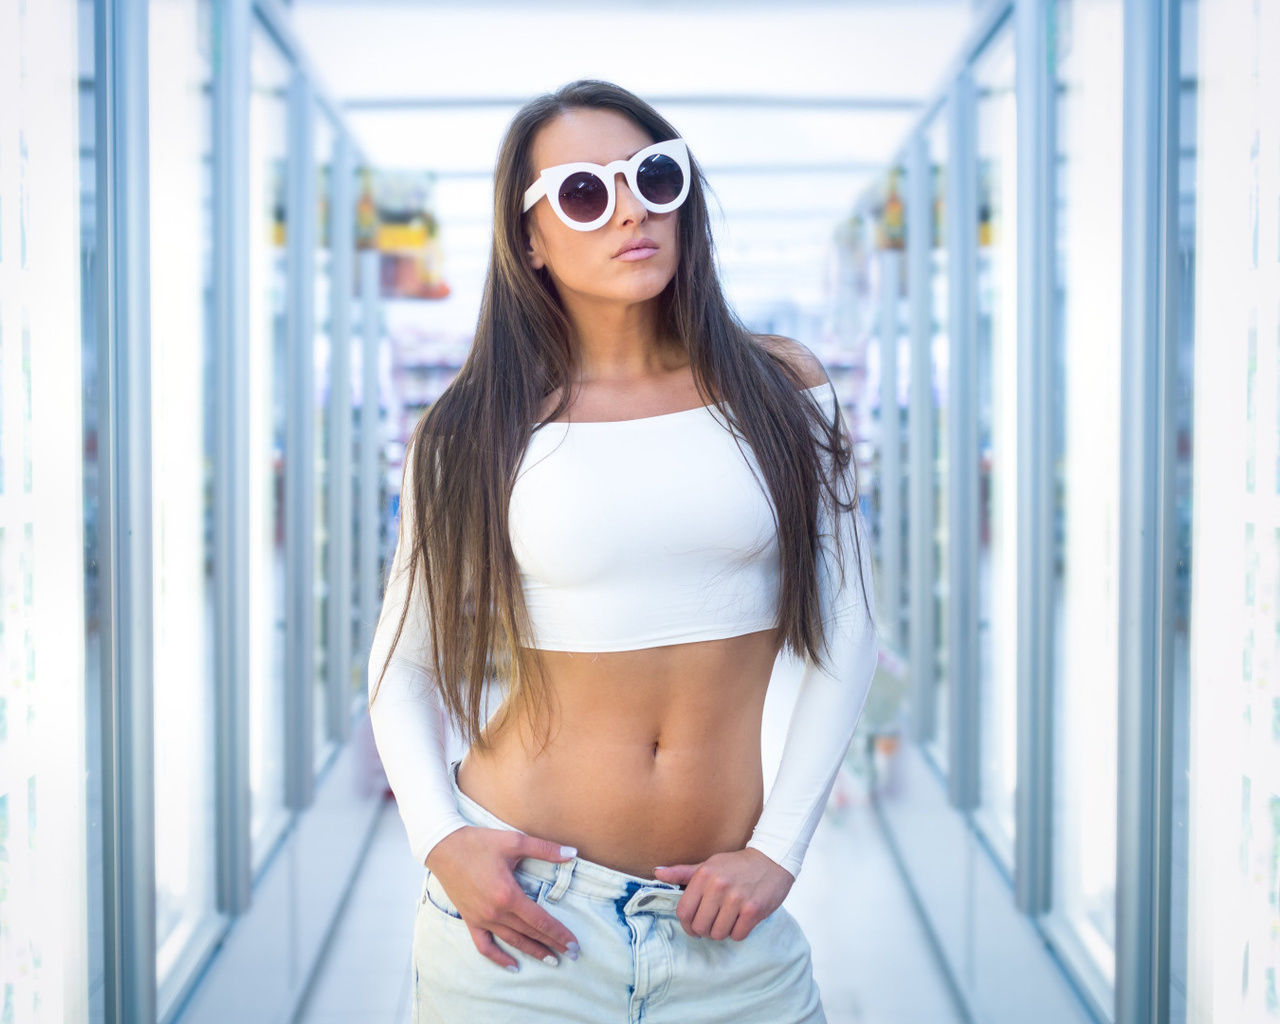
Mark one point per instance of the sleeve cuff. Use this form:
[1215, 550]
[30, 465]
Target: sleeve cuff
[423, 844]
[779, 851]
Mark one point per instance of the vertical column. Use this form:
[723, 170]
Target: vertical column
[300, 454]
[342, 246]
[231, 471]
[962, 428]
[370, 442]
[124, 329]
[1037, 259]
[1148, 348]
[920, 445]
[890, 451]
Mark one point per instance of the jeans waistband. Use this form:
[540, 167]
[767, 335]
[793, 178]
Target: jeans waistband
[579, 875]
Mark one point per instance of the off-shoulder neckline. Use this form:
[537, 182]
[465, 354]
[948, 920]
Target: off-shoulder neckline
[659, 416]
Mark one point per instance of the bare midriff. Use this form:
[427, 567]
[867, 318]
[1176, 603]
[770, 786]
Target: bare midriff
[654, 758]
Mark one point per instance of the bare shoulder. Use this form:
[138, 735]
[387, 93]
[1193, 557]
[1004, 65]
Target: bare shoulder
[798, 356]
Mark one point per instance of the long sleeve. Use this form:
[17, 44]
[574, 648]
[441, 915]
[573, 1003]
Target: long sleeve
[409, 724]
[828, 703]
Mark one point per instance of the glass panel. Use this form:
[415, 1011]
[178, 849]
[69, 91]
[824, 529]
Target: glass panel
[324, 145]
[361, 419]
[997, 402]
[182, 386]
[892, 384]
[361, 633]
[1183, 405]
[94, 619]
[940, 348]
[268, 322]
[45, 945]
[900, 407]
[893, 381]
[866, 424]
[1086, 432]
[1234, 707]
[856, 374]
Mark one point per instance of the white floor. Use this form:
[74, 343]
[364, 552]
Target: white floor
[871, 958]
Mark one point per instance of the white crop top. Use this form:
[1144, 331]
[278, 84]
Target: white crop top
[645, 532]
[632, 534]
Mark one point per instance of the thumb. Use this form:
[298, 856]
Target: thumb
[543, 849]
[677, 873]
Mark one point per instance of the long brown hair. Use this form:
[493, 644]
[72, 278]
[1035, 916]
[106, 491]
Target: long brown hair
[466, 450]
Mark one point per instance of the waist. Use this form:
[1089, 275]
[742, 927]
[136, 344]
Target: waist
[621, 806]
[586, 877]
[651, 756]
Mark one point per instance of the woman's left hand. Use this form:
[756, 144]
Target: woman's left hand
[728, 894]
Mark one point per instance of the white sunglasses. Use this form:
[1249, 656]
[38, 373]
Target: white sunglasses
[583, 194]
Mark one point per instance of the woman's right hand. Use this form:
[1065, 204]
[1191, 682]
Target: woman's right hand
[475, 865]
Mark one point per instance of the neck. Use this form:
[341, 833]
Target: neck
[616, 342]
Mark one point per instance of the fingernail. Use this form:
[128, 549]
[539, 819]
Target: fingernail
[550, 960]
[568, 851]
[660, 867]
[573, 950]
[513, 968]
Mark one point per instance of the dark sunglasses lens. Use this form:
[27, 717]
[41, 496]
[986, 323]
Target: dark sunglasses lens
[583, 197]
[660, 179]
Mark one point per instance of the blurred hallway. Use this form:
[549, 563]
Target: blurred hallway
[1035, 244]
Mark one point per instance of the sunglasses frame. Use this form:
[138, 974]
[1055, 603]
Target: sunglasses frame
[551, 178]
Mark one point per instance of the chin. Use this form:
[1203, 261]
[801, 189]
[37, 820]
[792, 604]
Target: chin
[650, 280]
[642, 291]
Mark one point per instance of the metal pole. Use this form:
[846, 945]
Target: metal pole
[342, 252]
[1037, 263]
[231, 471]
[300, 667]
[123, 180]
[962, 428]
[920, 560]
[1148, 344]
[370, 443]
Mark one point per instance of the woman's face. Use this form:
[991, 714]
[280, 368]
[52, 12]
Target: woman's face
[586, 262]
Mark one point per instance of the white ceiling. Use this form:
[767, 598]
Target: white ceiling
[789, 109]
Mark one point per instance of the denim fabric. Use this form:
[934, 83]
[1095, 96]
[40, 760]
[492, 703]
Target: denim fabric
[636, 965]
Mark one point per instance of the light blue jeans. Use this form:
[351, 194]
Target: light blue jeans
[636, 964]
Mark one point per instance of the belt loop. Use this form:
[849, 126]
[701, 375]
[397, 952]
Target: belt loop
[564, 872]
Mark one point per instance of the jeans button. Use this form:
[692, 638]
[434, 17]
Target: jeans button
[644, 901]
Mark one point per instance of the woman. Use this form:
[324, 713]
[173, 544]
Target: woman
[619, 513]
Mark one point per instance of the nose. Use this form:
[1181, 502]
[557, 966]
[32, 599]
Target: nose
[628, 205]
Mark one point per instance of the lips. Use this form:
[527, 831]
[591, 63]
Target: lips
[636, 243]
